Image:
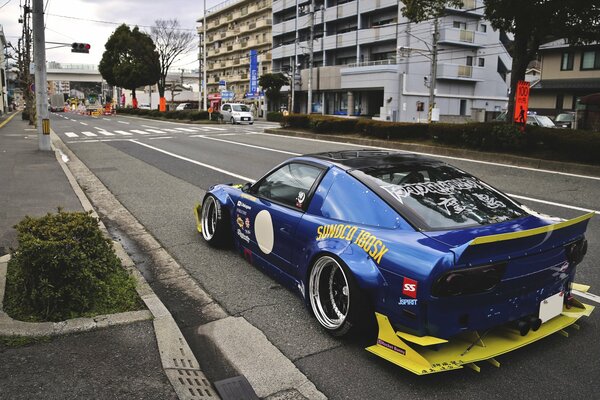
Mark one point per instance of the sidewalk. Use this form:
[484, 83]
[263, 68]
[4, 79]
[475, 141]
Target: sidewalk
[116, 362]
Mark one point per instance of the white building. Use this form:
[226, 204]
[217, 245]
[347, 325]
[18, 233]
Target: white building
[3, 75]
[370, 60]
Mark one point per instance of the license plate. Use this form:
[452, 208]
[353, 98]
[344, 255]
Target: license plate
[551, 307]
[245, 118]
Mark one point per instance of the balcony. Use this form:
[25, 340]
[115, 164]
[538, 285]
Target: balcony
[462, 37]
[366, 6]
[376, 34]
[347, 39]
[282, 5]
[460, 72]
[340, 11]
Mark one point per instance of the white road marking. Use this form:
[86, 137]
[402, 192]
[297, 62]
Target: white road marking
[106, 133]
[106, 119]
[185, 130]
[123, 122]
[149, 126]
[169, 130]
[161, 137]
[100, 129]
[245, 145]
[124, 133]
[553, 203]
[597, 178]
[155, 131]
[74, 120]
[589, 296]
[140, 132]
[71, 134]
[193, 161]
[87, 133]
[214, 128]
[83, 123]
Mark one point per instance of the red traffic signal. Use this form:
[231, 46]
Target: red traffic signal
[80, 48]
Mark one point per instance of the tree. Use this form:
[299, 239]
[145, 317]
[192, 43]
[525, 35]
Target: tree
[170, 43]
[130, 60]
[535, 22]
[532, 22]
[272, 83]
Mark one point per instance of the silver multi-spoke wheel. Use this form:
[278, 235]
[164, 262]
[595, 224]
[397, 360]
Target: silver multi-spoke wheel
[329, 292]
[209, 218]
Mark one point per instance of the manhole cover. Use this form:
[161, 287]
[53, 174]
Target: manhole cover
[236, 388]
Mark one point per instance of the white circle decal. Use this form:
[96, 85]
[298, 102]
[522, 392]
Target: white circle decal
[263, 229]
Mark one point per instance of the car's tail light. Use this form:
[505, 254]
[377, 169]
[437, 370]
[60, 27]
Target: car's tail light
[468, 280]
[576, 251]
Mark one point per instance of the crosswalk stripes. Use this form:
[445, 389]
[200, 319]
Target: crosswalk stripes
[155, 131]
[124, 133]
[89, 134]
[139, 131]
[148, 131]
[106, 133]
[71, 134]
[185, 130]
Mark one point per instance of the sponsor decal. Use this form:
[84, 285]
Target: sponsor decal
[300, 199]
[243, 205]
[239, 221]
[391, 347]
[242, 236]
[409, 288]
[363, 239]
[247, 197]
[407, 302]
[448, 187]
[247, 223]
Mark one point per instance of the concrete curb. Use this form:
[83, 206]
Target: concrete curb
[493, 158]
[177, 277]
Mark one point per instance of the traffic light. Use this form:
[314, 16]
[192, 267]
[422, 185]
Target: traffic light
[80, 48]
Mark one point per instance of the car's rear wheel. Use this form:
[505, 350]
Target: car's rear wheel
[335, 299]
[214, 222]
[232, 121]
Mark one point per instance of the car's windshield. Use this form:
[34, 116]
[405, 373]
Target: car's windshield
[441, 196]
[240, 107]
[565, 118]
[545, 121]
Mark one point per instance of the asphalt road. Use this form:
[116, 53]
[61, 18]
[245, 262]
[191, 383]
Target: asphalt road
[158, 170]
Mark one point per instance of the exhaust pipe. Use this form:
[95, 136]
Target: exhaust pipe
[523, 326]
[535, 323]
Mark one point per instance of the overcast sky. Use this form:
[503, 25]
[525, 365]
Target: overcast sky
[93, 21]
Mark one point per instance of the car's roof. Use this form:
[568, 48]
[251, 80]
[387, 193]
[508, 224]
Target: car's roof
[365, 158]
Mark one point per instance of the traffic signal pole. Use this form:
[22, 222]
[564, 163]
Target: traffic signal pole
[41, 91]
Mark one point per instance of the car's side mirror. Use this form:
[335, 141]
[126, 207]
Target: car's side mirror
[246, 187]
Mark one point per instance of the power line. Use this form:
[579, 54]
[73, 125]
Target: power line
[113, 22]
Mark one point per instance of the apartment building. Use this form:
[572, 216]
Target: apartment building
[369, 60]
[236, 29]
[4, 106]
[567, 74]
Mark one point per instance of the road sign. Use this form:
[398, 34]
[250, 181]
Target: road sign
[227, 95]
[521, 102]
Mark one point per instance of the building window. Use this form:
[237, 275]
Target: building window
[559, 101]
[567, 62]
[590, 60]
[483, 28]
[463, 107]
[470, 61]
[459, 25]
[481, 62]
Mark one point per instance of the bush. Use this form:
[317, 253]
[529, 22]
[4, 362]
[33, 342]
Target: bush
[301, 121]
[63, 268]
[274, 116]
[322, 124]
[392, 130]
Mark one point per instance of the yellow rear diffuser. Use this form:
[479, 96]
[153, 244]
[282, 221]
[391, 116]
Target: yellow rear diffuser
[463, 350]
[197, 211]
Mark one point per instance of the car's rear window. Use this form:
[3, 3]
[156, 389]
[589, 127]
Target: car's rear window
[439, 196]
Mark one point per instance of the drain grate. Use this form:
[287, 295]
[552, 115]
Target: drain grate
[191, 384]
[236, 388]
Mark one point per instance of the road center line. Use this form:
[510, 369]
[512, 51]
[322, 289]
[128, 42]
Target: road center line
[597, 178]
[193, 161]
[551, 203]
[245, 145]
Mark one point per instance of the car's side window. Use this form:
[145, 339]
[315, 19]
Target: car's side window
[225, 107]
[290, 185]
[350, 200]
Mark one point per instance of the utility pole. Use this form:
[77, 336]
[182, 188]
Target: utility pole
[41, 92]
[310, 54]
[199, 70]
[434, 52]
[295, 66]
[204, 59]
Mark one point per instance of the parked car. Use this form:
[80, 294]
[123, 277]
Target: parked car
[144, 106]
[540, 120]
[185, 106]
[453, 270]
[565, 120]
[236, 113]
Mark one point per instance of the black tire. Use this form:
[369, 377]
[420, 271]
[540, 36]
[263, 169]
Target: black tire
[335, 299]
[251, 123]
[214, 219]
[232, 121]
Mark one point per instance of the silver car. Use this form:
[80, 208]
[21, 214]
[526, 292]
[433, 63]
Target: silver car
[236, 113]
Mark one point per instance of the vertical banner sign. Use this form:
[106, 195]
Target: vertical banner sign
[521, 102]
[253, 72]
[45, 126]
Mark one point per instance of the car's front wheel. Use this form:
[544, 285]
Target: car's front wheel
[214, 222]
[335, 299]
[232, 120]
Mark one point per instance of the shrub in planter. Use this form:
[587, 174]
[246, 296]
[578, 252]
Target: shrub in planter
[301, 121]
[63, 268]
[274, 116]
[321, 124]
[392, 130]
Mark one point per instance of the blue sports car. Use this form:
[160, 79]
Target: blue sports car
[452, 270]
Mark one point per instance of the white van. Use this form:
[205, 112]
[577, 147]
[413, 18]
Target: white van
[236, 113]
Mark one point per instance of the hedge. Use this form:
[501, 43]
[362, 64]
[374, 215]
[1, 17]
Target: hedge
[556, 144]
[64, 267]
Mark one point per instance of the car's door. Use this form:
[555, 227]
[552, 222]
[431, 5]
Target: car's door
[226, 112]
[269, 212]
